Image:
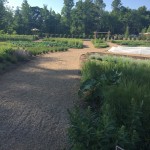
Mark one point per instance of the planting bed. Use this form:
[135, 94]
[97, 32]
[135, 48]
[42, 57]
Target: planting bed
[21, 48]
[7, 37]
[98, 43]
[115, 92]
[70, 43]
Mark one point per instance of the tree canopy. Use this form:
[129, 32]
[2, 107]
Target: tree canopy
[82, 17]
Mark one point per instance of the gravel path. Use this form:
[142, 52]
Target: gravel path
[34, 99]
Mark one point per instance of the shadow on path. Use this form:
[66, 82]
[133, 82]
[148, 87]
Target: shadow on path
[33, 107]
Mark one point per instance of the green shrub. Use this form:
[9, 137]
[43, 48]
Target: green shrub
[98, 43]
[7, 37]
[122, 116]
[15, 51]
[131, 43]
[70, 43]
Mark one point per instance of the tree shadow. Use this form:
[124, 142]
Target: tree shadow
[33, 107]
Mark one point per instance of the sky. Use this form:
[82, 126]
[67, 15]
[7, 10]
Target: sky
[57, 5]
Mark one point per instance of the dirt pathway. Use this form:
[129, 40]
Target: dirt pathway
[34, 99]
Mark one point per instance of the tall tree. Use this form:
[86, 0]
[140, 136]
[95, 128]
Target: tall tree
[66, 12]
[26, 15]
[100, 4]
[77, 25]
[144, 17]
[116, 5]
[148, 30]
[8, 19]
[36, 18]
[101, 15]
[49, 22]
[84, 17]
[2, 14]
[18, 22]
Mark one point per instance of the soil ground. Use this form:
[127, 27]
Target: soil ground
[34, 99]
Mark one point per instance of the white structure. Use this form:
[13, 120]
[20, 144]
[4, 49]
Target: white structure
[131, 50]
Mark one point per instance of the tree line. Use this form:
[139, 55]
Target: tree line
[82, 17]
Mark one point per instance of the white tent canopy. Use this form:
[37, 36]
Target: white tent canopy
[131, 50]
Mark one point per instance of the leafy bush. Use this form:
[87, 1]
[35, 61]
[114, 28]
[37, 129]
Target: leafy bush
[7, 37]
[13, 52]
[8, 57]
[131, 43]
[121, 118]
[39, 47]
[70, 43]
[98, 43]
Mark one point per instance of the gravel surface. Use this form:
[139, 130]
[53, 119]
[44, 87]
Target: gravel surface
[34, 99]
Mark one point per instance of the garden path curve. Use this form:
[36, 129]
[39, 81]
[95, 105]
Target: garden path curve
[34, 99]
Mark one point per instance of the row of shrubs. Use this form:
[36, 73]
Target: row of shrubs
[132, 43]
[15, 37]
[130, 37]
[98, 43]
[11, 55]
[115, 94]
[8, 56]
[81, 36]
[99, 36]
[70, 43]
[8, 37]
[15, 51]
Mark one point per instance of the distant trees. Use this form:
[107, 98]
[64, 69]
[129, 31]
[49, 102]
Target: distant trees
[2, 15]
[66, 13]
[148, 30]
[116, 5]
[100, 4]
[127, 32]
[26, 16]
[82, 17]
[18, 21]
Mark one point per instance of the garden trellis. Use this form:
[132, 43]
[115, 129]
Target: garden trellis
[96, 33]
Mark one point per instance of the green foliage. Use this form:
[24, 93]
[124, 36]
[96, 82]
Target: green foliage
[132, 43]
[84, 17]
[70, 43]
[6, 37]
[66, 11]
[121, 119]
[26, 17]
[100, 4]
[17, 50]
[39, 47]
[90, 131]
[91, 88]
[98, 43]
[126, 32]
[148, 30]
[144, 30]
[7, 56]
[116, 5]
